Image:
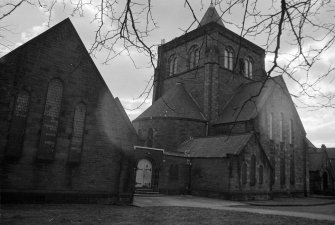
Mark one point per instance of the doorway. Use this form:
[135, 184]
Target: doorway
[143, 174]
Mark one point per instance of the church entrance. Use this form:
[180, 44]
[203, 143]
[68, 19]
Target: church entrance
[143, 174]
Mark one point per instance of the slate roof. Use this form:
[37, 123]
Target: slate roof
[175, 103]
[211, 15]
[215, 147]
[242, 100]
[248, 98]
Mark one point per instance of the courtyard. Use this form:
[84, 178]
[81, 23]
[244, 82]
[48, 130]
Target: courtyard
[175, 210]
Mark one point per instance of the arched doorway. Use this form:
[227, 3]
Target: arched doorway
[143, 174]
[325, 181]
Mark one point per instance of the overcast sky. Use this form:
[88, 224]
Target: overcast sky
[127, 81]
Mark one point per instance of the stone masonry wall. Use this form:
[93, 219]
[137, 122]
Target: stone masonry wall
[107, 139]
[278, 103]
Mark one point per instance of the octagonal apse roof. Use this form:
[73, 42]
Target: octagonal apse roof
[175, 103]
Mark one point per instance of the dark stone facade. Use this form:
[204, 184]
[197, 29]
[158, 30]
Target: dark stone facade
[63, 136]
[234, 101]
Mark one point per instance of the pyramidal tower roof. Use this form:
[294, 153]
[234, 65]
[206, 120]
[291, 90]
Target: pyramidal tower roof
[211, 15]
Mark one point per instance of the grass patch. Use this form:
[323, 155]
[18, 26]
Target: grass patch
[86, 214]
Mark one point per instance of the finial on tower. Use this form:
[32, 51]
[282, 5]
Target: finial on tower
[211, 15]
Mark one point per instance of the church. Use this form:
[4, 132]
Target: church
[218, 126]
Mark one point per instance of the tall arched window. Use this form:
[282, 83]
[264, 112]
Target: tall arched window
[252, 170]
[292, 170]
[244, 173]
[150, 137]
[18, 125]
[50, 120]
[248, 67]
[270, 125]
[77, 133]
[282, 171]
[228, 58]
[290, 132]
[173, 65]
[281, 127]
[260, 174]
[194, 57]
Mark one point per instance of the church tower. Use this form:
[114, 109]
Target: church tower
[211, 62]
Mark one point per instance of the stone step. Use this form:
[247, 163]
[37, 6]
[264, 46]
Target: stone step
[139, 192]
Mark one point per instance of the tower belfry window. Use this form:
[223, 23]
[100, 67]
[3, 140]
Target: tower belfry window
[228, 58]
[194, 57]
[248, 67]
[173, 65]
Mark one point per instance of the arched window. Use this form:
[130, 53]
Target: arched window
[253, 170]
[270, 126]
[173, 65]
[290, 131]
[194, 57]
[18, 125]
[50, 120]
[228, 58]
[282, 171]
[244, 173]
[150, 137]
[281, 128]
[292, 170]
[260, 174]
[248, 67]
[77, 133]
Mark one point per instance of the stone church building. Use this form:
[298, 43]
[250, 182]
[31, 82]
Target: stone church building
[63, 136]
[218, 126]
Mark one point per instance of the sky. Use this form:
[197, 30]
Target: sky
[127, 77]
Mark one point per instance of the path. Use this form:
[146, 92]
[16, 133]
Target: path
[201, 202]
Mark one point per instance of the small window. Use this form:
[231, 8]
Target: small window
[260, 174]
[244, 173]
[194, 57]
[173, 65]
[228, 58]
[248, 67]
[253, 170]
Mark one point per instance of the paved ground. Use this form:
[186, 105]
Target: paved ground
[325, 210]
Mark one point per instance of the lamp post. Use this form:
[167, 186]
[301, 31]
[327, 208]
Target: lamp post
[189, 164]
